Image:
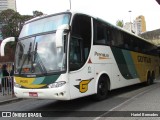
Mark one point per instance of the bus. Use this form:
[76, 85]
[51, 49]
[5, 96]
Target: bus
[70, 55]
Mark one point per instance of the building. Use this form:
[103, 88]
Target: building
[152, 36]
[139, 25]
[12, 5]
[7, 4]
[129, 27]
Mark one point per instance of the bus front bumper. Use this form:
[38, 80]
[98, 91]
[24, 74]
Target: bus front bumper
[60, 93]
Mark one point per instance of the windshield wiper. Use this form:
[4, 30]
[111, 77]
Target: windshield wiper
[29, 52]
[35, 53]
[28, 55]
[34, 57]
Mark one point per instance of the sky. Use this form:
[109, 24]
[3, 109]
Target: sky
[108, 10]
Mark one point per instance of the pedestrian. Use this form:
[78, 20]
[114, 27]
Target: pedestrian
[5, 81]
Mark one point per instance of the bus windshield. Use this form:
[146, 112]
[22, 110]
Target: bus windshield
[38, 53]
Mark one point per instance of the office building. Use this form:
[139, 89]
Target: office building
[129, 27]
[139, 25]
[7, 4]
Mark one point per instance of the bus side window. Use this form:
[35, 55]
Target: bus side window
[99, 36]
[126, 46]
[108, 36]
[76, 60]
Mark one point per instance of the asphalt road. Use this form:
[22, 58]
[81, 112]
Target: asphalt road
[132, 98]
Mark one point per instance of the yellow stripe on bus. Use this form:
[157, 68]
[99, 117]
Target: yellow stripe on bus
[27, 82]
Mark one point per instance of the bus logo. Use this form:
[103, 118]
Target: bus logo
[83, 85]
[144, 59]
[23, 81]
[102, 56]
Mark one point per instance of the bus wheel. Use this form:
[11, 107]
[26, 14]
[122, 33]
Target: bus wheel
[152, 78]
[102, 89]
[149, 79]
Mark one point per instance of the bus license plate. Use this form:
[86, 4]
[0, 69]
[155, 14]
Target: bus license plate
[33, 94]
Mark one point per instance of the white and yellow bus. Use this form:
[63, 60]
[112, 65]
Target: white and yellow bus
[71, 55]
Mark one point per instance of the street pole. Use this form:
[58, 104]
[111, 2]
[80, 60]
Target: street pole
[130, 14]
[70, 4]
[130, 21]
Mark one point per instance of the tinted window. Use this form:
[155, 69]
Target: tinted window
[99, 36]
[80, 42]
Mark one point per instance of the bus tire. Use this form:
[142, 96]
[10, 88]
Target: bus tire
[149, 79]
[152, 77]
[102, 89]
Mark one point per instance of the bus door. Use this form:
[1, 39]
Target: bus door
[81, 71]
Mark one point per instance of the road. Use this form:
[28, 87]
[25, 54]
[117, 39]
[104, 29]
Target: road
[132, 98]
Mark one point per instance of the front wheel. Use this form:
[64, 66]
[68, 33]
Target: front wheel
[102, 89]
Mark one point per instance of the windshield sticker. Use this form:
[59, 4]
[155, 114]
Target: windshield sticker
[89, 69]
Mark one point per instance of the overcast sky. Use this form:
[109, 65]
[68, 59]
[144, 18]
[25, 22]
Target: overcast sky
[109, 10]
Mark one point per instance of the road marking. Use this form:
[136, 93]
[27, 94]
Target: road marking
[125, 102]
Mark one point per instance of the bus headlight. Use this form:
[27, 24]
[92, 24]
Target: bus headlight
[57, 84]
[17, 85]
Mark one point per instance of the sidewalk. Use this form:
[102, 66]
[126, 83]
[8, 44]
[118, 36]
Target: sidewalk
[8, 98]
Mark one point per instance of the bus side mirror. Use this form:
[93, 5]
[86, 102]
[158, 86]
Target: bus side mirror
[3, 43]
[59, 34]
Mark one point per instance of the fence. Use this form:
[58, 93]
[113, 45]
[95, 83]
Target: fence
[6, 79]
[7, 83]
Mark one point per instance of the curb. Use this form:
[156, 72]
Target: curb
[10, 100]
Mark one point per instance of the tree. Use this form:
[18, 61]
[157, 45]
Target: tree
[6, 15]
[37, 13]
[9, 20]
[10, 23]
[120, 23]
[23, 19]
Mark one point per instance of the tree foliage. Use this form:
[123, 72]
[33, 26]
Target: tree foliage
[37, 13]
[11, 25]
[120, 23]
[12, 22]
[9, 20]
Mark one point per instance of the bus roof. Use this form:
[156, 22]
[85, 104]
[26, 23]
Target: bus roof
[97, 18]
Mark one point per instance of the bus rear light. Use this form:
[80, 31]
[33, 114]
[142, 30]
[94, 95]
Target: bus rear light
[57, 84]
